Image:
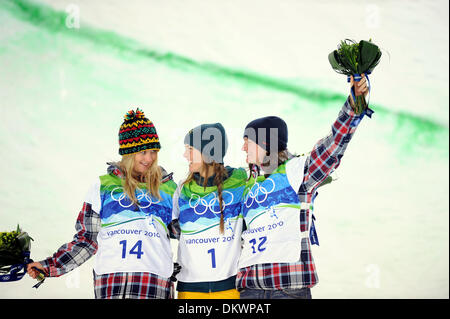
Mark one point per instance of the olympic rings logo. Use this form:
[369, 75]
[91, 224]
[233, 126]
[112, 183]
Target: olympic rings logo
[258, 190]
[201, 206]
[123, 195]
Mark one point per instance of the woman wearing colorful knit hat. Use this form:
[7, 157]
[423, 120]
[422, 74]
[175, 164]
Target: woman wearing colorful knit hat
[276, 260]
[207, 207]
[124, 221]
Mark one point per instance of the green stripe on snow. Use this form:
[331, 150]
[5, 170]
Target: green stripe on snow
[426, 131]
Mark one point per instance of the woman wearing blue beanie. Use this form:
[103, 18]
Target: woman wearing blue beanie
[207, 210]
[276, 260]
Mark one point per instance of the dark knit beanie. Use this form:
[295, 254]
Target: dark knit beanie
[210, 139]
[137, 133]
[268, 129]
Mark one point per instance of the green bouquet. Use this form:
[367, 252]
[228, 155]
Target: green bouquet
[14, 254]
[355, 59]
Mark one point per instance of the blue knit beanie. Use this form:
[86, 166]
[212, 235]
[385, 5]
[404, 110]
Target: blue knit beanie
[266, 129]
[210, 139]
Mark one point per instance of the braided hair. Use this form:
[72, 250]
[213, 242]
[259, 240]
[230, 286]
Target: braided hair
[220, 174]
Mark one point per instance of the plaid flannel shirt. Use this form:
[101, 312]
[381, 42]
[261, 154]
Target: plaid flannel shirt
[320, 163]
[110, 286]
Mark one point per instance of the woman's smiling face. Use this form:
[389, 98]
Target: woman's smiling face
[143, 161]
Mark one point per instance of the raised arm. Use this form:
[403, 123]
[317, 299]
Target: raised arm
[327, 153]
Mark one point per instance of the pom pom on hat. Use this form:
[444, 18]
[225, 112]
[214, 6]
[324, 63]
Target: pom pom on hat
[139, 114]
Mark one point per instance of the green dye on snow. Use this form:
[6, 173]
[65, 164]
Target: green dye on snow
[412, 129]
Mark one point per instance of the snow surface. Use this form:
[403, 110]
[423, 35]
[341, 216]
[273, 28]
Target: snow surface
[382, 225]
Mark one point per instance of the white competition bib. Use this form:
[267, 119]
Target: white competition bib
[140, 245]
[273, 236]
[203, 253]
[271, 210]
[133, 238]
[208, 255]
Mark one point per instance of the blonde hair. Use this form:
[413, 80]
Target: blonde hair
[152, 177]
[220, 174]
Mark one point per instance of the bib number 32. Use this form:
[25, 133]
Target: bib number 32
[258, 245]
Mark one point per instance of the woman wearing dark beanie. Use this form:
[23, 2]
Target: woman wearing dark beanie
[124, 221]
[276, 260]
[207, 207]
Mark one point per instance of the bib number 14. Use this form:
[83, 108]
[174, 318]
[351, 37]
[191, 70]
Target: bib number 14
[135, 250]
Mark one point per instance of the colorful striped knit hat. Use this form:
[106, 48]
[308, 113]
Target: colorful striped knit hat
[137, 133]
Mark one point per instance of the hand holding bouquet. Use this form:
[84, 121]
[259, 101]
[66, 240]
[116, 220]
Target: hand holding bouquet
[15, 255]
[357, 61]
[361, 88]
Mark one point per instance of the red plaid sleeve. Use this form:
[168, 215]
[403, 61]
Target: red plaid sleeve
[327, 153]
[81, 248]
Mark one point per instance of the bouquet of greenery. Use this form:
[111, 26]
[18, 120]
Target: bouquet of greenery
[15, 255]
[355, 59]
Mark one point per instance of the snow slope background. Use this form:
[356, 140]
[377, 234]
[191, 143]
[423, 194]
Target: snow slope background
[70, 70]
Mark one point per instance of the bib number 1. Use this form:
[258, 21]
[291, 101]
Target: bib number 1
[212, 251]
[135, 250]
